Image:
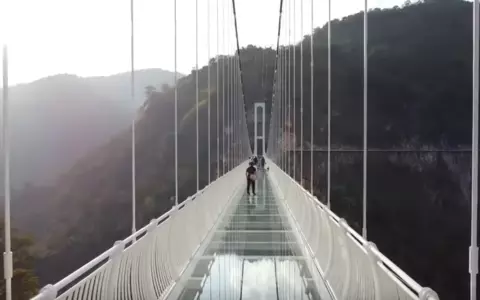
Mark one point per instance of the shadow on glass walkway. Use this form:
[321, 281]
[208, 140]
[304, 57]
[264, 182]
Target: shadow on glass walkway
[252, 254]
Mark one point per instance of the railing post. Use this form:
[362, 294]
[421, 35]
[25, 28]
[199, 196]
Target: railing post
[369, 246]
[147, 259]
[427, 294]
[115, 258]
[344, 227]
[48, 292]
[330, 244]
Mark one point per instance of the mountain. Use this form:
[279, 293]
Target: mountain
[58, 119]
[419, 98]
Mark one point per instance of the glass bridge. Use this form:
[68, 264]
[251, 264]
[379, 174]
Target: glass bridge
[224, 244]
[253, 254]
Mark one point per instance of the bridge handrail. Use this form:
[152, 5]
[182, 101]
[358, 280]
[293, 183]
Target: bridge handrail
[394, 271]
[404, 276]
[51, 291]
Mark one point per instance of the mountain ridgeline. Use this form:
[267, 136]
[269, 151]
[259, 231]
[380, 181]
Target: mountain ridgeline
[63, 117]
[419, 98]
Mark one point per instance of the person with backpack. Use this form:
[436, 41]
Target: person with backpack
[251, 177]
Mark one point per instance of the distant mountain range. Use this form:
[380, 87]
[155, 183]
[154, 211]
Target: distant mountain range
[58, 119]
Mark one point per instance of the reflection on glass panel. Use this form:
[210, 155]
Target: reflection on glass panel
[253, 254]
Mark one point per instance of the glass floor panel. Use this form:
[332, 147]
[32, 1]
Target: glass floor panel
[252, 255]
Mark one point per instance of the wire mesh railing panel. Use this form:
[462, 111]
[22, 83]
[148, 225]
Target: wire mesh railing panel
[352, 267]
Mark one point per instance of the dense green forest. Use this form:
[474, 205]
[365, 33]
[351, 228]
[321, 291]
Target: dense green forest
[419, 97]
[24, 281]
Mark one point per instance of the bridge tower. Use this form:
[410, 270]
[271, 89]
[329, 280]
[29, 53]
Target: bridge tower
[259, 128]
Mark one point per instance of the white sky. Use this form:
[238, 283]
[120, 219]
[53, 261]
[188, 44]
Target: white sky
[92, 37]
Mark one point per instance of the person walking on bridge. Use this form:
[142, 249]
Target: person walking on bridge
[251, 174]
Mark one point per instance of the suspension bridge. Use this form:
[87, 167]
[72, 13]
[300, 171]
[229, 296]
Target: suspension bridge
[222, 243]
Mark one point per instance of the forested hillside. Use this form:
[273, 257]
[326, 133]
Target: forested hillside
[64, 117]
[419, 97]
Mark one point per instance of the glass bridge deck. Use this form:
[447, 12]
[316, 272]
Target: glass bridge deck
[253, 254]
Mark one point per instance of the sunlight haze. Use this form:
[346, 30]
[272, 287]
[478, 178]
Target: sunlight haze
[92, 37]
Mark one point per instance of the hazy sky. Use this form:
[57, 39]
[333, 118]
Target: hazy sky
[92, 37]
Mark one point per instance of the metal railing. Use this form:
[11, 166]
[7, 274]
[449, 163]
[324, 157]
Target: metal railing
[147, 264]
[352, 267]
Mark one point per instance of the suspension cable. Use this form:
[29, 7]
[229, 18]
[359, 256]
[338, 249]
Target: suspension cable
[311, 100]
[473, 268]
[241, 75]
[294, 140]
[289, 99]
[227, 132]
[218, 95]
[209, 92]
[132, 98]
[176, 99]
[234, 106]
[8, 255]
[284, 92]
[301, 93]
[235, 112]
[196, 94]
[223, 90]
[329, 112]
[365, 126]
[272, 140]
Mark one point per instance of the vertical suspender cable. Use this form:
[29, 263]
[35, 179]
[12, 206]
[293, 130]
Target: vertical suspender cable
[229, 97]
[285, 108]
[280, 106]
[209, 92]
[7, 256]
[294, 136]
[284, 112]
[132, 95]
[234, 94]
[285, 100]
[301, 92]
[474, 218]
[223, 89]
[196, 92]
[283, 97]
[289, 112]
[311, 101]
[217, 89]
[176, 99]
[235, 107]
[227, 55]
[365, 86]
[329, 113]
